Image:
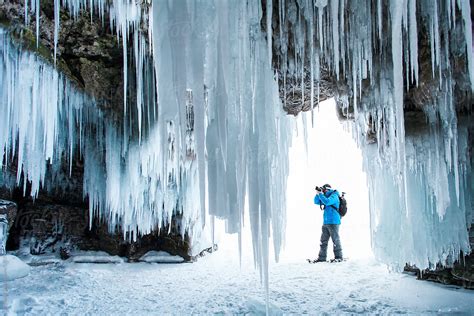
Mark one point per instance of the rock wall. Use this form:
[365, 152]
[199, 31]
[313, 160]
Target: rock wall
[49, 226]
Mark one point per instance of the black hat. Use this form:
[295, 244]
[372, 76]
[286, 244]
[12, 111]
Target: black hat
[326, 186]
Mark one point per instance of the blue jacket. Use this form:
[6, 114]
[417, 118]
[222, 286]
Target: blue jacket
[331, 216]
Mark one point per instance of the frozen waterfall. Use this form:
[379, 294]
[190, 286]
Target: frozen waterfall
[217, 134]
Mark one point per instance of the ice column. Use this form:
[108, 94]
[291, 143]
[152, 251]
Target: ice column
[217, 51]
[3, 234]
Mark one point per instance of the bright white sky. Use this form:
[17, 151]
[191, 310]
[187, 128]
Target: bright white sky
[333, 157]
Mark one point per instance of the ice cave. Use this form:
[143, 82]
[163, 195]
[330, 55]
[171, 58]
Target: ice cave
[139, 138]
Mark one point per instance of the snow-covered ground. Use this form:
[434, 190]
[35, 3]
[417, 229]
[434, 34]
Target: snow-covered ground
[217, 284]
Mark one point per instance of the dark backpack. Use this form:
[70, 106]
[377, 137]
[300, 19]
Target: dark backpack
[342, 205]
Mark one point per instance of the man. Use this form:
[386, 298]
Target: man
[328, 200]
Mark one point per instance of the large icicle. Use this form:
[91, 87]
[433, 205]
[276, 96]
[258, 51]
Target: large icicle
[396, 9]
[236, 64]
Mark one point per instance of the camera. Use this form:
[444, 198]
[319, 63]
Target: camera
[318, 188]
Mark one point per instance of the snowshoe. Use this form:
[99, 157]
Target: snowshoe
[337, 260]
[315, 260]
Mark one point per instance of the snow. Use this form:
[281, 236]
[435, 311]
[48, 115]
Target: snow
[217, 284]
[12, 268]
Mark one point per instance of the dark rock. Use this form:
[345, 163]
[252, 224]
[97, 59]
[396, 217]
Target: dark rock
[204, 252]
[460, 274]
[58, 228]
[64, 253]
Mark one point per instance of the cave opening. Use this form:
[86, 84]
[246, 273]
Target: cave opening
[323, 152]
[329, 155]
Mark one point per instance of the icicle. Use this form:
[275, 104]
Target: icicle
[321, 4]
[354, 85]
[26, 13]
[413, 36]
[57, 21]
[453, 12]
[379, 18]
[437, 40]
[125, 67]
[335, 34]
[311, 63]
[37, 10]
[396, 9]
[36, 102]
[269, 30]
[302, 66]
[466, 15]
[341, 36]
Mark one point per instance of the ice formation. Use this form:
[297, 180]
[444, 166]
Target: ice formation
[420, 184]
[3, 234]
[217, 135]
[216, 132]
[42, 116]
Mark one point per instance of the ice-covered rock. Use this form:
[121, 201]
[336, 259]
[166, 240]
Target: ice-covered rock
[160, 257]
[95, 257]
[12, 268]
[9, 209]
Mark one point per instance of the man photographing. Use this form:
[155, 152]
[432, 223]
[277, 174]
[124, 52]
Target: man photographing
[328, 200]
